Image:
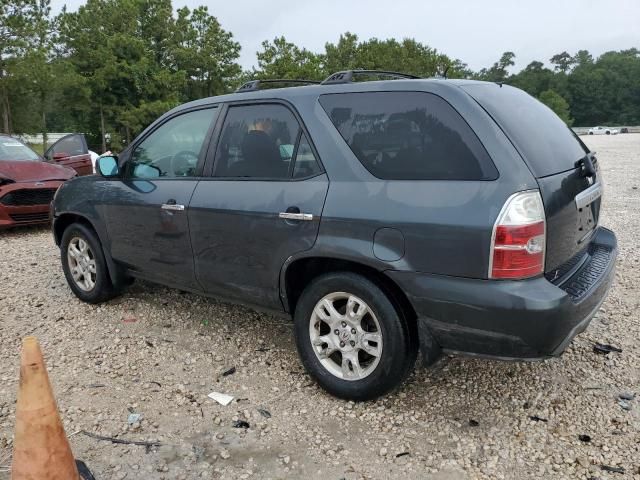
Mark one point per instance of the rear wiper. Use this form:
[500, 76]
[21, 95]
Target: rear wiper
[586, 163]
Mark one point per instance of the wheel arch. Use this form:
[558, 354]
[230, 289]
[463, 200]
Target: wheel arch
[64, 220]
[298, 273]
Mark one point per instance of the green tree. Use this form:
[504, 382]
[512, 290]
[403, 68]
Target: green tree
[559, 105]
[562, 62]
[126, 61]
[533, 79]
[499, 72]
[15, 33]
[283, 59]
[205, 52]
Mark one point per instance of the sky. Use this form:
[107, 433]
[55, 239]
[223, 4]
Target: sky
[475, 31]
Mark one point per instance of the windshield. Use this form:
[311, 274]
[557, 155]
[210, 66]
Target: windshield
[544, 140]
[12, 149]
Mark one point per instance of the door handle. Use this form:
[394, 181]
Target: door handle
[172, 206]
[296, 216]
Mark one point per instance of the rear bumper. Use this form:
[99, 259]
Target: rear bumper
[16, 215]
[526, 319]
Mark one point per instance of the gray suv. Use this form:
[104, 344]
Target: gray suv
[389, 218]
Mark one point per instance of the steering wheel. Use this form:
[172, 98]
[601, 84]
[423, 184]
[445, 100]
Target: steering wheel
[184, 163]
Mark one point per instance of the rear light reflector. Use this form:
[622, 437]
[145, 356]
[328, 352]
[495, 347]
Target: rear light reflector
[519, 238]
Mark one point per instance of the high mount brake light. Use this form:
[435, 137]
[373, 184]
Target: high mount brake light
[518, 241]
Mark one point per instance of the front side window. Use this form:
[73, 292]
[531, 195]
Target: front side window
[173, 149]
[259, 141]
[408, 136]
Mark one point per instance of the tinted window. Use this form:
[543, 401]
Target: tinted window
[12, 149]
[173, 149]
[306, 164]
[408, 136]
[544, 140]
[68, 146]
[257, 141]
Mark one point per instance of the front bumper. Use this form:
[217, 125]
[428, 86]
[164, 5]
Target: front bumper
[525, 319]
[15, 215]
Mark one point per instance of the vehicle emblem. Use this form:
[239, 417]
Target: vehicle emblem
[39, 184]
[590, 180]
[344, 336]
[556, 274]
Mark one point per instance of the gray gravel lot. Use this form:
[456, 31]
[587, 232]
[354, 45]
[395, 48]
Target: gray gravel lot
[158, 352]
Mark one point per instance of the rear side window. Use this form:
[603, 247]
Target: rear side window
[409, 136]
[547, 144]
[264, 141]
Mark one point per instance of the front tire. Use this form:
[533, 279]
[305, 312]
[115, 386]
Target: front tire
[351, 338]
[84, 265]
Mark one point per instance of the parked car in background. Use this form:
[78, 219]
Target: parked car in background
[71, 151]
[387, 218]
[603, 131]
[27, 184]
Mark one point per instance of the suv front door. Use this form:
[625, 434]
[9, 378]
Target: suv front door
[261, 205]
[146, 210]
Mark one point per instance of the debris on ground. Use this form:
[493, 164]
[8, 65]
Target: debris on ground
[221, 398]
[265, 413]
[473, 423]
[627, 396]
[625, 405]
[608, 468]
[584, 438]
[228, 372]
[240, 424]
[536, 418]
[605, 348]
[121, 440]
[133, 418]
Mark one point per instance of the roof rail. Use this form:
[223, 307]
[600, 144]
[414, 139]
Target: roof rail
[254, 85]
[346, 76]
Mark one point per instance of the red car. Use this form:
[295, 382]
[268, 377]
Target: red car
[27, 184]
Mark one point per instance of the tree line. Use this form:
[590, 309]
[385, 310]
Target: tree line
[113, 66]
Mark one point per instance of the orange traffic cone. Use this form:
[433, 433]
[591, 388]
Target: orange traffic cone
[40, 448]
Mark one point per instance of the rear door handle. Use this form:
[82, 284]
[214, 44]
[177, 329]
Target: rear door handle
[296, 216]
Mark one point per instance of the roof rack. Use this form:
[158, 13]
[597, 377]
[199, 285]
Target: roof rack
[346, 76]
[254, 85]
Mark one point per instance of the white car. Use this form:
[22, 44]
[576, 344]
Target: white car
[603, 131]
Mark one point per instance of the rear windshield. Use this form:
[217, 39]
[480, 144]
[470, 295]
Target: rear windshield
[408, 136]
[542, 138]
[12, 149]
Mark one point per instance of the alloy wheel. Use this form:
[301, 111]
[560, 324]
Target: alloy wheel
[346, 336]
[82, 264]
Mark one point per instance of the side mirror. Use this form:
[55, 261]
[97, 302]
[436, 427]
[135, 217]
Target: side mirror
[107, 166]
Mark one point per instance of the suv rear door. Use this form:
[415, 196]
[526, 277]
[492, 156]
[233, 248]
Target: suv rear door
[261, 204]
[556, 157]
[71, 151]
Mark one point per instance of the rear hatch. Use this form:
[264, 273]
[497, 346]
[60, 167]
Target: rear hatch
[566, 171]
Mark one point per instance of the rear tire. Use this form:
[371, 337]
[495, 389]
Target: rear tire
[84, 265]
[351, 338]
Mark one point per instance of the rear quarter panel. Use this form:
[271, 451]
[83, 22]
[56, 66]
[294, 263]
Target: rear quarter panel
[446, 225]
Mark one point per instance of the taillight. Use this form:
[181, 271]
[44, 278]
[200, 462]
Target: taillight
[519, 238]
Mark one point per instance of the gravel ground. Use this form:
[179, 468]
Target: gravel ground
[158, 352]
